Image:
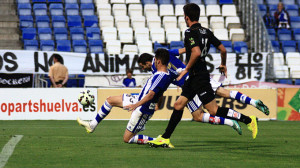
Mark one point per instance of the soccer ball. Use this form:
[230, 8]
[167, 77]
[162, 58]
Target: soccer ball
[86, 98]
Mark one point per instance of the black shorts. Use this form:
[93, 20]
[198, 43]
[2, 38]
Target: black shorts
[195, 85]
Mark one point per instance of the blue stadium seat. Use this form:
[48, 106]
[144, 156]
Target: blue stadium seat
[72, 83]
[240, 47]
[39, 1]
[93, 33]
[148, 2]
[158, 45]
[221, 2]
[176, 44]
[90, 21]
[81, 82]
[288, 46]
[228, 46]
[212, 49]
[56, 9]
[40, 9]
[272, 34]
[29, 33]
[285, 81]
[195, 1]
[72, 9]
[262, 9]
[292, 10]
[55, 1]
[272, 9]
[295, 22]
[60, 33]
[179, 2]
[87, 9]
[24, 9]
[284, 34]
[298, 2]
[297, 82]
[163, 2]
[70, 1]
[63, 45]
[276, 46]
[288, 2]
[58, 21]
[81, 76]
[42, 21]
[297, 34]
[74, 21]
[26, 21]
[86, 1]
[272, 2]
[210, 2]
[260, 1]
[96, 46]
[47, 45]
[31, 45]
[76, 33]
[79, 46]
[23, 1]
[45, 33]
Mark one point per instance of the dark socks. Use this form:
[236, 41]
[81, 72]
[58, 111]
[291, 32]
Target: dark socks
[232, 114]
[174, 120]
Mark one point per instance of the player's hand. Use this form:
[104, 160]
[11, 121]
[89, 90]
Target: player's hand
[223, 70]
[181, 74]
[130, 107]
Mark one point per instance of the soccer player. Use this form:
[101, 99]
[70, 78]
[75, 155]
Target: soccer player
[142, 110]
[197, 43]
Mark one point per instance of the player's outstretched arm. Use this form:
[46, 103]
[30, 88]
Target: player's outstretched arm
[181, 50]
[148, 97]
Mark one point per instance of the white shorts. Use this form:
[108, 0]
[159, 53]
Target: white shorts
[129, 99]
[138, 121]
[195, 104]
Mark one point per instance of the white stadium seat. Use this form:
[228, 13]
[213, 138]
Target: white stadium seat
[122, 21]
[182, 24]
[132, 1]
[150, 10]
[141, 34]
[107, 21]
[113, 47]
[101, 2]
[166, 10]
[213, 10]
[237, 34]
[145, 46]
[119, 10]
[202, 11]
[281, 71]
[292, 58]
[130, 49]
[217, 22]
[109, 33]
[232, 22]
[295, 71]
[179, 10]
[104, 10]
[138, 22]
[126, 35]
[157, 34]
[169, 22]
[221, 34]
[173, 34]
[228, 10]
[278, 59]
[153, 22]
[203, 21]
[117, 1]
[135, 10]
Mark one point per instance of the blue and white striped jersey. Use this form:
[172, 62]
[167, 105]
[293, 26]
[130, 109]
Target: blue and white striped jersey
[158, 82]
[173, 65]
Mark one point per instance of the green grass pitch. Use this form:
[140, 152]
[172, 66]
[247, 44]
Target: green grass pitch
[66, 144]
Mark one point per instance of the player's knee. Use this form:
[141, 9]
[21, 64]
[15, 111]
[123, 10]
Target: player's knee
[197, 118]
[109, 100]
[212, 111]
[125, 139]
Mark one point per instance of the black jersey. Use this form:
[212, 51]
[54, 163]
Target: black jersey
[197, 35]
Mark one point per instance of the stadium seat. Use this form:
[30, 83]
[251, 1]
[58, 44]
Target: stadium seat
[232, 22]
[292, 10]
[145, 2]
[122, 21]
[135, 10]
[87, 9]
[216, 22]
[40, 9]
[104, 10]
[86, 1]
[166, 10]
[106, 21]
[90, 21]
[262, 9]
[288, 46]
[96, 46]
[55, 1]
[130, 49]
[281, 71]
[42, 21]
[182, 24]
[119, 10]
[297, 82]
[272, 2]
[285, 81]
[293, 58]
[213, 10]
[276, 46]
[157, 45]
[26, 21]
[212, 49]
[138, 22]
[31, 45]
[228, 10]
[157, 34]
[109, 33]
[72, 9]
[71, 82]
[202, 11]
[228, 46]
[284, 34]
[23, 1]
[125, 35]
[76, 33]
[272, 9]
[195, 1]
[221, 2]
[288, 2]
[93, 33]
[173, 34]
[145, 46]
[160, 2]
[179, 2]
[79, 46]
[278, 59]
[141, 34]
[113, 47]
[56, 9]
[154, 22]
[237, 34]
[70, 1]
[29, 33]
[210, 2]
[117, 1]
[58, 21]
[204, 21]
[47, 45]
[45, 33]
[24, 9]
[63, 45]
[272, 34]
[240, 47]
[60, 33]
[169, 22]
[221, 34]
[74, 21]
[176, 44]
[132, 1]
[150, 10]
[179, 10]
[39, 1]
[295, 22]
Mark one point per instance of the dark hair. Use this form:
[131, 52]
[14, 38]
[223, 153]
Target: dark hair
[58, 57]
[145, 57]
[192, 11]
[162, 55]
[128, 71]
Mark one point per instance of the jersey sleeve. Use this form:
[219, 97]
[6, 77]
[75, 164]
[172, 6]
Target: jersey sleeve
[193, 39]
[174, 52]
[159, 82]
[214, 41]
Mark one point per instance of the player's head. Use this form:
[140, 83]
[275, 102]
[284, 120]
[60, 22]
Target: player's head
[191, 13]
[145, 61]
[162, 57]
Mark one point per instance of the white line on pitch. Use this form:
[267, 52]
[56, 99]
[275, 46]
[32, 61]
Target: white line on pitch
[8, 149]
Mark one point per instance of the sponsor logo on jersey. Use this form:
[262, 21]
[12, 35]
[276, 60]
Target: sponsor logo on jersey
[192, 40]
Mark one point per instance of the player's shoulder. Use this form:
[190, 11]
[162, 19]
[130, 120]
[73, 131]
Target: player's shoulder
[160, 74]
